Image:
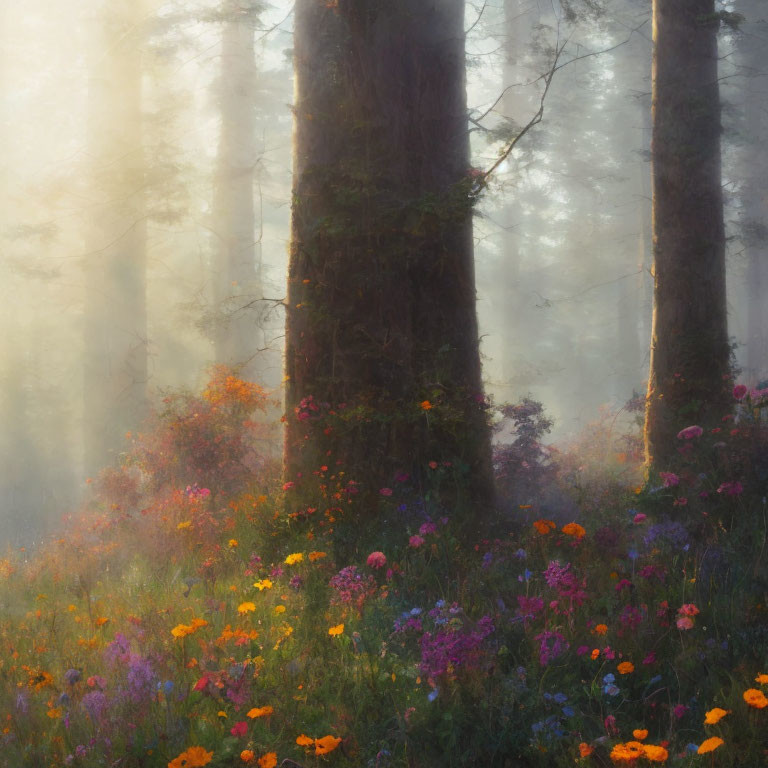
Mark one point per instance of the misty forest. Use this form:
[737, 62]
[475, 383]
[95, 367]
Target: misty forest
[384, 383]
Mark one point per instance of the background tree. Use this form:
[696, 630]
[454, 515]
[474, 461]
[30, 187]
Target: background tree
[116, 339]
[689, 346]
[237, 248]
[381, 326]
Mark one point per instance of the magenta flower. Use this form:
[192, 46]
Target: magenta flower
[731, 488]
[670, 479]
[386, 491]
[239, 729]
[639, 518]
[740, 391]
[376, 560]
[690, 432]
[415, 541]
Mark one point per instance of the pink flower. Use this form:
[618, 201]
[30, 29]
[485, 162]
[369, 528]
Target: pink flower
[680, 501]
[239, 729]
[731, 488]
[386, 491]
[689, 609]
[610, 725]
[670, 479]
[415, 542]
[684, 622]
[740, 391]
[287, 486]
[650, 658]
[689, 433]
[639, 518]
[376, 560]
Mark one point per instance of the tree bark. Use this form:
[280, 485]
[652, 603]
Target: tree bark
[381, 294]
[237, 255]
[689, 346]
[115, 375]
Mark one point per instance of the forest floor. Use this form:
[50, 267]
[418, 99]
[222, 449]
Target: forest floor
[187, 619]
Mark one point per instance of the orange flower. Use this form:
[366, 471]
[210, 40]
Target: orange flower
[336, 631]
[260, 712]
[600, 629]
[595, 653]
[640, 734]
[304, 741]
[316, 556]
[101, 621]
[710, 745]
[247, 755]
[574, 529]
[715, 715]
[544, 526]
[268, 761]
[626, 668]
[585, 750]
[626, 753]
[194, 757]
[762, 679]
[655, 754]
[755, 698]
[425, 405]
[326, 744]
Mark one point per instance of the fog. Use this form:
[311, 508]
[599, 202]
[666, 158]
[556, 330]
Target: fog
[117, 172]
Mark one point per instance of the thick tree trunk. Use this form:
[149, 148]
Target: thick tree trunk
[381, 295]
[237, 256]
[689, 345]
[115, 375]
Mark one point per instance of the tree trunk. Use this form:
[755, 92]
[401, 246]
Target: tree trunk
[115, 375]
[689, 346]
[237, 255]
[754, 191]
[381, 294]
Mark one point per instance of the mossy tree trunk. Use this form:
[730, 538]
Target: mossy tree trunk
[381, 297]
[689, 346]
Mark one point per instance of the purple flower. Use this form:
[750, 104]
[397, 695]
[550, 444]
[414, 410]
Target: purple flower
[551, 645]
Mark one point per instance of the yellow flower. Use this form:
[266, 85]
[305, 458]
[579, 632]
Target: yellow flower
[222, 714]
[246, 607]
[279, 609]
[715, 715]
[181, 630]
[260, 712]
[710, 745]
[337, 630]
[263, 584]
[304, 741]
[296, 557]
[183, 526]
[762, 679]
[268, 761]
[626, 668]
[755, 698]
[640, 734]
[194, 757]
[574, 529]
[326, 744]
[232, 543]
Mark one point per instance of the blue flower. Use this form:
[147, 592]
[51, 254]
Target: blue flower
[568, 711]
[611, 690]
[609, 678]
[433, 694]
[560, 698]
